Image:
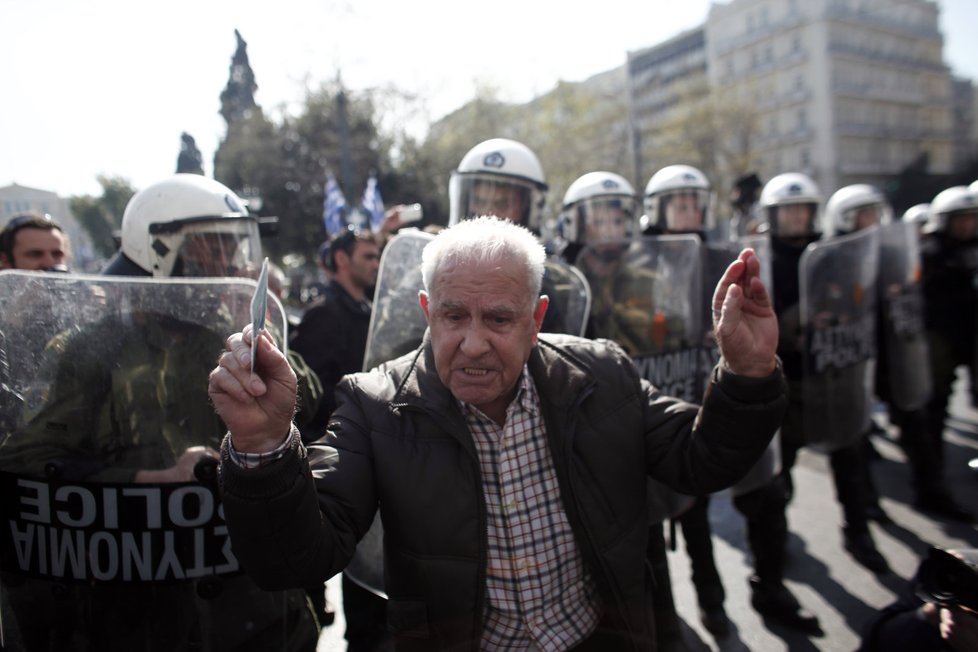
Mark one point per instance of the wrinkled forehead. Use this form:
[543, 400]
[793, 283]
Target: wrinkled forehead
[499, 280]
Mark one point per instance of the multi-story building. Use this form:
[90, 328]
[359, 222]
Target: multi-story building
[965, 123]
[847, 91]
[667, 85]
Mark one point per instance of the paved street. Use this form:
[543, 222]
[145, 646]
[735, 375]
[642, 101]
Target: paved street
[820, 572]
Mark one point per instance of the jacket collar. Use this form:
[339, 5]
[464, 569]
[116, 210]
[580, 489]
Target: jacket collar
[559, 378]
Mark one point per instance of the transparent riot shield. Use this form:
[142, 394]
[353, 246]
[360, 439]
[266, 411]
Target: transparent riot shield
[114, 536]
[903, 338]
[646, 295]
[837, 303]
[717, 257]
[397, 326]
[570, 299]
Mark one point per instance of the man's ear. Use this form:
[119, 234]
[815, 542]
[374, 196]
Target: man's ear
[540, 310]
[423, 299]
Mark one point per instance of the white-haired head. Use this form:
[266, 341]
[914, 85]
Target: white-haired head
[485, 240]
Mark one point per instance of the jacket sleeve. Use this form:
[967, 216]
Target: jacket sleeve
[295, 521]
[737, 419]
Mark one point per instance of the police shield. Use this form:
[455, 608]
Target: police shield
[114, 536]
[903, 338]
[717, 256]
[837, 304]
[397, 324]
[646, 295]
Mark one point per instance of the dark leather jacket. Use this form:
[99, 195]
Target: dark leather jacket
[399, 439]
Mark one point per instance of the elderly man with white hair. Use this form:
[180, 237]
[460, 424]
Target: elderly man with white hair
[509, 466]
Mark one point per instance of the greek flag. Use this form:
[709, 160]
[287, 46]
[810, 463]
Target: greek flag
[334, 207]
[372, 203]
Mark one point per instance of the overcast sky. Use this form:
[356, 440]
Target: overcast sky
[107, 86]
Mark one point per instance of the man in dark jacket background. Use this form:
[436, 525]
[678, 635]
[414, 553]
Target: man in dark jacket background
[332, 335]
[509, 469]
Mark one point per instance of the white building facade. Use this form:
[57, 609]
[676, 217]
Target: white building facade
[846, 91]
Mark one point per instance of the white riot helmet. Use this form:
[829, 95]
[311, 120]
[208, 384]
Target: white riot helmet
[918, 214]
[950, 203]
[786, 191]
[678, 199]
[855, 207]
[190, 225]
[499, 177]
[598, 206]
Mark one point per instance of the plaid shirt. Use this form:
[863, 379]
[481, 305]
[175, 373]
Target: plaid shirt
[540, 593]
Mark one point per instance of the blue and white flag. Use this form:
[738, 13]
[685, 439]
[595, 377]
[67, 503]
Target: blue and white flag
[334, 208]
[372, 203]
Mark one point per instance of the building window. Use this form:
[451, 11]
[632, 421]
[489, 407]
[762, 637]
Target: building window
[806, 158]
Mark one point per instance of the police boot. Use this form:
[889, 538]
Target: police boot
[773, 600]
[861, 546]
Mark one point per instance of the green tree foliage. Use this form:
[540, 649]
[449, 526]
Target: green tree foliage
[101, 216]
[286, 161]
[577, 128]
[573, 129]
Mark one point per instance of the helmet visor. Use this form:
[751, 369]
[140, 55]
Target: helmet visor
[505, 197]
[225, 247]
[792, 220]
[684, 210]
[863, 217]
[605, 219]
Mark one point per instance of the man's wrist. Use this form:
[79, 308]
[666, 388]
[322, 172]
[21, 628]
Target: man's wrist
[255, 460]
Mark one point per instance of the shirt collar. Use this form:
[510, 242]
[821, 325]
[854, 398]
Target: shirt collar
[526, 397]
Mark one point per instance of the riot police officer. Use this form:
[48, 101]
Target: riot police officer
[791, 202]
[127, 411]
[949, 254]
[598, 219]
[679, 199]
[900, 338]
